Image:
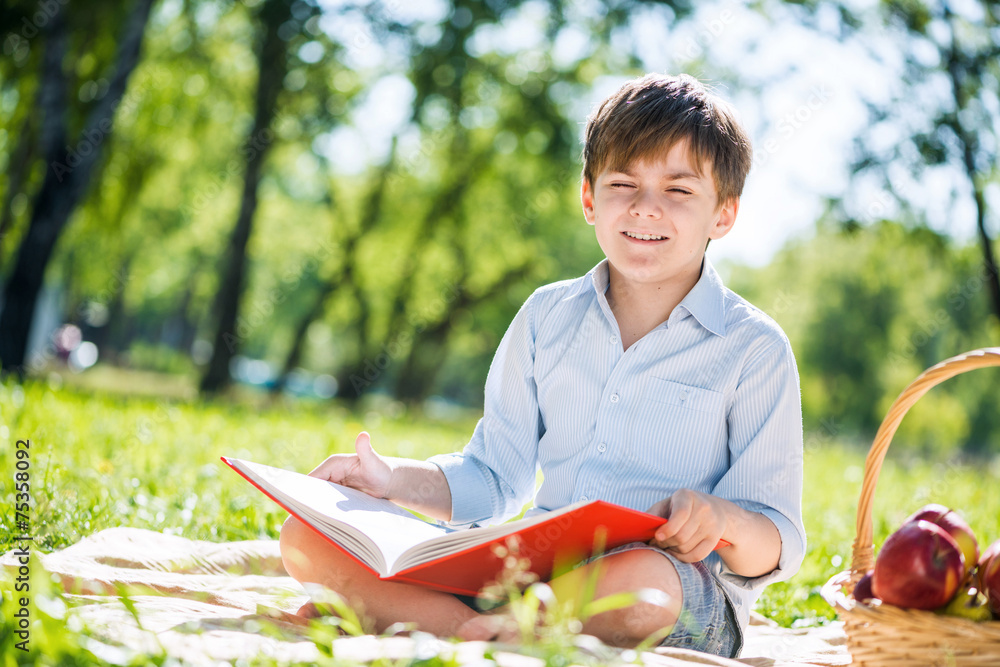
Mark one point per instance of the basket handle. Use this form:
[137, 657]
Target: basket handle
[862, 557]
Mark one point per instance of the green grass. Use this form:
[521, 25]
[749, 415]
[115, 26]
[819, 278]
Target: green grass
[100, 459]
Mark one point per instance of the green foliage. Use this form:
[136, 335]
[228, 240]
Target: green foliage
[866, 312]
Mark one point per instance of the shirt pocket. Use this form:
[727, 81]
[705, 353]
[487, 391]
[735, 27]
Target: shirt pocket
[684, 396]
[683, 434]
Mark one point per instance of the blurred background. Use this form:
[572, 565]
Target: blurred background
[346, 202]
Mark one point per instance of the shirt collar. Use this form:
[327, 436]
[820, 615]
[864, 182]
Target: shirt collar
[601, 277]
[706, 301]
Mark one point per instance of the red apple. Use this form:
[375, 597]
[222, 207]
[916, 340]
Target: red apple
[984, 560]
[863, 589]
[989, 577]
[955, 526]
[920, 566]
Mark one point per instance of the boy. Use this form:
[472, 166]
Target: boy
[646, 383]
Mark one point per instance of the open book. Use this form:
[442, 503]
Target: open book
[399, 546]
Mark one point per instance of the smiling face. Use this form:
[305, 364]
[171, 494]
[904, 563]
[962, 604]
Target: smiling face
[653, 219]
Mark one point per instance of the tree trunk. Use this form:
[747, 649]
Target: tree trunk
[372, 213]
[357, 373]
[298, 341]
[986, 243]
[272, 66]
[18, 167]
[111, 339]
[378, 354]
[961, 67]
[444, 207]
[66, 179]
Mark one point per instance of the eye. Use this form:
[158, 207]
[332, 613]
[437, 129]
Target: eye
[680, 191]
[621, 185]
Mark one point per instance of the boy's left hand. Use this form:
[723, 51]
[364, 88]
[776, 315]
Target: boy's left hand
[695, 523]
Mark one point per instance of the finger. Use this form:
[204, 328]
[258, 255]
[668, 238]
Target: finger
[677, 516]
[697, 552]
[363, 446]
[687, 534]
[661, 508]
[667, 544]
[323, 470]
[666, 535]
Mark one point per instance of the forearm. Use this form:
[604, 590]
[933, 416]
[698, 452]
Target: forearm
[755, 544]
[420, 486]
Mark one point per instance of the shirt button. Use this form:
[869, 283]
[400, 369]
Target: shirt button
[613, 339]
[614, 398]
[602, 447]
[584, 498]
[684, 395]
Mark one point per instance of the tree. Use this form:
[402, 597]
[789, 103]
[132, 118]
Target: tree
[952, 65]
[272, 65]
[71, 165]
[866, 310]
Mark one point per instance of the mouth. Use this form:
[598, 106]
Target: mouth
[644, 237]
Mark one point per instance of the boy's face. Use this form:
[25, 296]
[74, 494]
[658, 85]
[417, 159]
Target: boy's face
[653, 221]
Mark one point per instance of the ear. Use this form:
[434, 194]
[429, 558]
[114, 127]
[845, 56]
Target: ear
[587, 199]
[725, 218]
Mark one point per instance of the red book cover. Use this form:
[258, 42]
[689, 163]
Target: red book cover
[553, 545]
[399, 546]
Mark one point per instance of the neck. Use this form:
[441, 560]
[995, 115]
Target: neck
[641, 307]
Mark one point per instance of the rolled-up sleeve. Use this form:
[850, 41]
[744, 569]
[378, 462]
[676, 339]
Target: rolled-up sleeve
[494, 476]
[765, 444]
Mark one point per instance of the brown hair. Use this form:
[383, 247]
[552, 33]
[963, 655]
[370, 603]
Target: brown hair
[648, 115]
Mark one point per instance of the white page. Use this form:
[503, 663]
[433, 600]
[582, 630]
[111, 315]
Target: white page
[392, 529]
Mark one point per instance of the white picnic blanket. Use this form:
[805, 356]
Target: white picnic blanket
[206, 602]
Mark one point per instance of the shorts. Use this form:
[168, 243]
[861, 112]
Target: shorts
[707, 622]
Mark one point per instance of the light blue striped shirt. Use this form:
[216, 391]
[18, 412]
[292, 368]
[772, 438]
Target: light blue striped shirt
[709, 401]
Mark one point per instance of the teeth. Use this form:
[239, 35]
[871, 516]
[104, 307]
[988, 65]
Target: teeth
[645, 237]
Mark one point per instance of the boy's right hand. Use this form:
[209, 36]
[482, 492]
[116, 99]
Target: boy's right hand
[364, 470]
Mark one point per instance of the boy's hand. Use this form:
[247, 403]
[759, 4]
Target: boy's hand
[365, 470]
[418, 485]
[695, 523]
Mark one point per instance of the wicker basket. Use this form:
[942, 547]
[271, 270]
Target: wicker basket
[881, 635]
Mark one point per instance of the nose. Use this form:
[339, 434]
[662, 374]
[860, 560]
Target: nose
[644, 205]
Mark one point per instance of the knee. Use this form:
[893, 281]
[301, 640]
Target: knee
[294, 542]
[639, 622]
[659, 597]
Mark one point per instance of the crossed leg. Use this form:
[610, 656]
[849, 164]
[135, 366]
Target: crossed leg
[309, 558]
[620, 572]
